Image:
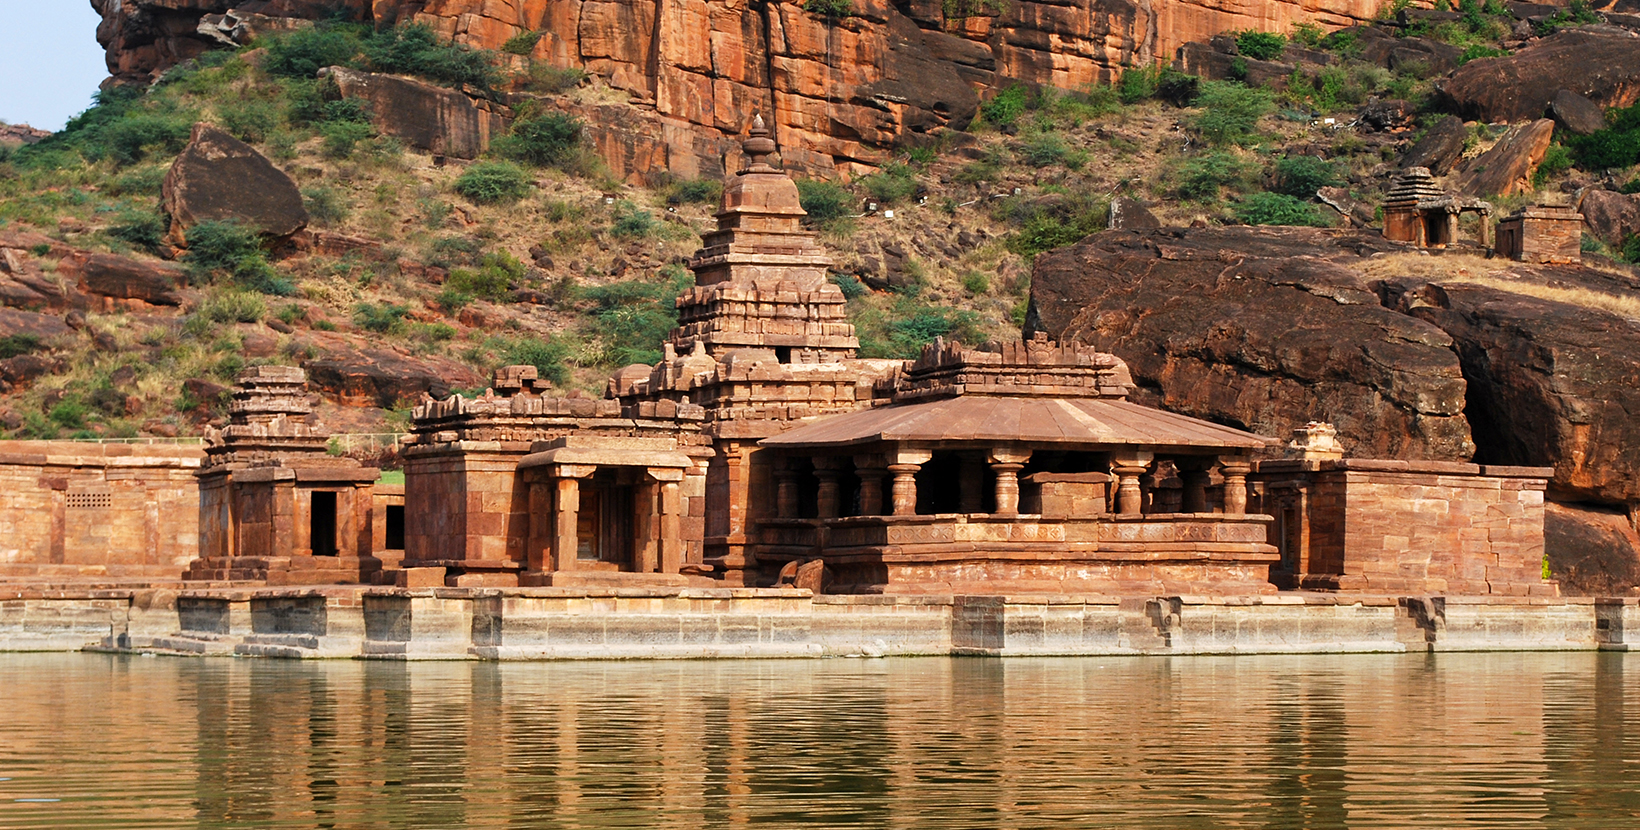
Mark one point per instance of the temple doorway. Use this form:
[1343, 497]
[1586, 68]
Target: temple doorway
[322, 523]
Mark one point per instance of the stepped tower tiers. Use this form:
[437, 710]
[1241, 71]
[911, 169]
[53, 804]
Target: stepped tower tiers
[760, 279]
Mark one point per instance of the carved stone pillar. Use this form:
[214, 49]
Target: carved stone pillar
[566, 510]
[971, 485]
[1127, 467]
[669, 518]
[827, 471]
[785, 493]
[1193, 473]
[1006, 462]
[1235, 472]
[870, 470]
[905, 467]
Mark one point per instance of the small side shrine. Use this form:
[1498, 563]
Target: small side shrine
[1025, 467]
[1416, 210]
[1542, 234]
[274, 505]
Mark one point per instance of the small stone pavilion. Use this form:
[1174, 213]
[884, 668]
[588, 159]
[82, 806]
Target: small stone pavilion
[1416, 210]
[274, 505]
[1542, 234]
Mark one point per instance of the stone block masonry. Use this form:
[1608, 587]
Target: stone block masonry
[108, 511]
[686, 623]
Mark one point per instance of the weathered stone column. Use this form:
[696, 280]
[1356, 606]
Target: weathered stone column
[827, 470]
[1006, 462]
[1193, 472]
[905, 467]
[971, 481]
[646, 527]
[870, 471]
[538, 549]
[566, 487]
[669, 506]
[1127, 467]
[785, 493]
[1235, 472]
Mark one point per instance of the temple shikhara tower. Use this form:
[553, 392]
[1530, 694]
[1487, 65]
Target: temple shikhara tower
[762, 451]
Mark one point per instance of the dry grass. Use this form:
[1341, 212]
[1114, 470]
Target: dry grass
[1497, 274]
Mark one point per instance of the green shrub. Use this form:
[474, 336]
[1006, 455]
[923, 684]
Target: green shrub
[1049, 222]
[452, 250]
[829, 8]
[1556, 160]
[1302, 176]
[1005, 108]
[1616, 146]
[1279, 209]
[545, 141]
[383, 318]
[553, 80]
[341, 136]
[631, 319]
[976, 283]
[1230, 112]
[522, 43]
[851, 287]
[1481, 50]
[216, 248]
[326, 205]
[250, 120]
[902, 330]
[417, 50]
[694, 191]
[1263, 46]
[232, 306]
[1307, 34]
[142, 228]
[13, 345]
[632, 222]
[1629, 251]
[893, 184]
[825, 202]
[304, 52]
[133, 138]
[546, 355]
[493, 182]
[492, 280]
[1164, 83]
[1204, 178]
[1047, 149]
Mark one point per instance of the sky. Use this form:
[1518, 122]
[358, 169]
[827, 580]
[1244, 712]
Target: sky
[50, 62]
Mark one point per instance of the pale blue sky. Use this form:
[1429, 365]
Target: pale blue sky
[50, 62]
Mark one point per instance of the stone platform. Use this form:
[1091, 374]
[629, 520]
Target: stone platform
[682, 622]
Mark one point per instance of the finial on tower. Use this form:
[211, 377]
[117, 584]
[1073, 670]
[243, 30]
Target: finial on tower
[758, 146]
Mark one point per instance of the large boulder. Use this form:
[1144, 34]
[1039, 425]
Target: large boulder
[120, 277]
[383, 378]
[1592, 551]
[1611, 217]
[1507, 168]
[1551, 383]
[1576, 114]
[427, 117]
[220, 178]
[1602, 65]
[1439, 148]
[1260, 328]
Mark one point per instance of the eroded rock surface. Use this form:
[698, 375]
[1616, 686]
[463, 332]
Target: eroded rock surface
[1602, 65]
[220, 178]
[1507, 167]
[1611, 217]
[379, 377]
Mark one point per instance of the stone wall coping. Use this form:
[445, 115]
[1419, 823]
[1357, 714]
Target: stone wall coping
[1378, 465]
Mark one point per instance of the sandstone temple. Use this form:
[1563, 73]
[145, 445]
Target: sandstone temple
[762, 452]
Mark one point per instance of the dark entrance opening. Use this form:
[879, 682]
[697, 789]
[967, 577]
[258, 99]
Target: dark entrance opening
[322, 524]
[395, 527]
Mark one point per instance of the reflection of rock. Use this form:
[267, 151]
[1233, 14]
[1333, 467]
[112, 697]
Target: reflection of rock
[220, 178]
[1592, 551]
[1440, 148]
[1611, 217]
[1262, 328]
[1507, 168]
[1601, 65]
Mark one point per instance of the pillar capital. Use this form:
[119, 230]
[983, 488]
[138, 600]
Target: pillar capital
[1008, 454]
[902, 455]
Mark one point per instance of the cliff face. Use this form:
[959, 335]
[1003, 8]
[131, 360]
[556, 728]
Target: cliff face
[839, 90]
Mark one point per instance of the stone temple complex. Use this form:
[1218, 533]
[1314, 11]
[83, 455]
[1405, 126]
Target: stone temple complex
[762, 463]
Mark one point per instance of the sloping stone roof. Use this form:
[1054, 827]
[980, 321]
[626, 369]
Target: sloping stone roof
[1095, 422]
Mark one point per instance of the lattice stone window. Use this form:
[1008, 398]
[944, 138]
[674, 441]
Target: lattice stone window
[91, 500]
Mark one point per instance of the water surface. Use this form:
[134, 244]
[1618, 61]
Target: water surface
[1499, 740]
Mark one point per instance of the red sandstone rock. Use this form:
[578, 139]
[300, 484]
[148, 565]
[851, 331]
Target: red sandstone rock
[1260, 328]
[1611, 217]
[122, 277]
[1577, 114]
[1602, 65]
[427, 117]
[1440, 148]
[1592, 551]
[1507, 168]
[218, 177]
[383, 378]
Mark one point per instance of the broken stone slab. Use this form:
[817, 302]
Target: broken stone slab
[220, 178]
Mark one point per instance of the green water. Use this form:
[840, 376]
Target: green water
[1499, 740]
